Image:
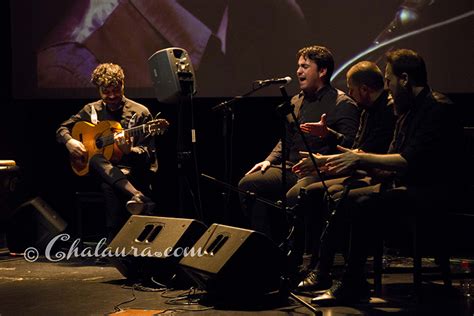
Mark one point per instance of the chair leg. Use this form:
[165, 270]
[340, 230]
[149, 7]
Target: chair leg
[378, 257]
[416, 261]
[443, 259]
[445, 270]
[78, 210]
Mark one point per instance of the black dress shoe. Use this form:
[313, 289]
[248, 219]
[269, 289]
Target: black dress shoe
[344, 293]
[314, 282]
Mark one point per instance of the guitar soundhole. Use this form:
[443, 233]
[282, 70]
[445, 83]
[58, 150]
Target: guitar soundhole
[99, 143]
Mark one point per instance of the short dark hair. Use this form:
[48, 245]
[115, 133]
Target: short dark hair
[409, 62]
[368, 73]
[321, 56]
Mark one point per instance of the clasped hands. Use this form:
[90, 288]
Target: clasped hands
[347, 161]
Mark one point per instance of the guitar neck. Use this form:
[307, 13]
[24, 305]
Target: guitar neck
[136, 131]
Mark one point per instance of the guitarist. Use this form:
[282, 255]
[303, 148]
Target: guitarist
[134, 158]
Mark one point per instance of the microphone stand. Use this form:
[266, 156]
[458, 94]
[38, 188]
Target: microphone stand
[250, 195]
[225, 104]
[226, 108]
[285, 109]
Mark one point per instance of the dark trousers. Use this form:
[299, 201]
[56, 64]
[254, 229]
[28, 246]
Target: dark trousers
[107, 174]
[263, 218]
[316, 209]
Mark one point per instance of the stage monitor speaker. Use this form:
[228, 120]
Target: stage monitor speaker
[236, 262]
[172, 74]
[33, 224]
[143, 242]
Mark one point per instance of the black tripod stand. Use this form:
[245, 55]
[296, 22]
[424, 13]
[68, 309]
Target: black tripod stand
[185, 154]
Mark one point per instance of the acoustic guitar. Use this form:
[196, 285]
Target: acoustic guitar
[99, 139]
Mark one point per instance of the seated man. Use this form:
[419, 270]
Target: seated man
[366, 86]
[416, 180]
[317, 97]
[133, 156]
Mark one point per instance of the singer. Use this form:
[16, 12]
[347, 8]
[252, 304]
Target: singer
[317, 97]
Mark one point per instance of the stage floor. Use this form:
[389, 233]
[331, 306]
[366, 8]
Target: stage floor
[82, 286]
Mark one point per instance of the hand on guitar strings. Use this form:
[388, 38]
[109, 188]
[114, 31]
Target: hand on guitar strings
[124, 142]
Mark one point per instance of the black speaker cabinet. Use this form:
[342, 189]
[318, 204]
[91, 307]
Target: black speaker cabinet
[172, 74]
[144, 241]
[235, 262]
[33, 224]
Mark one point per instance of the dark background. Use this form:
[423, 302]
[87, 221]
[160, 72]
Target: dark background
[27, 131]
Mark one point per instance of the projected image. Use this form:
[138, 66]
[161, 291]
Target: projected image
[232, 43]
[229, 42]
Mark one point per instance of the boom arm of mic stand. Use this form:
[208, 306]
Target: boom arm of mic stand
[225, 104]
[248, 193]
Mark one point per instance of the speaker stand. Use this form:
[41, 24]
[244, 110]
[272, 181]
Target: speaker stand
[185, 155]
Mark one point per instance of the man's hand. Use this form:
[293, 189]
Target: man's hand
[124, 142]
[76, 148]
[349, 160]
[305, 166]
[262, 166]
[316, 129]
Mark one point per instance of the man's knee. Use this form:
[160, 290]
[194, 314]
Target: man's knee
[293, 196]
[253, 183]
[244, 183]
[335, 189]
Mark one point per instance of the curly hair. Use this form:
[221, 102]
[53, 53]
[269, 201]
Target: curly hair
[108, 75]
[321, 56]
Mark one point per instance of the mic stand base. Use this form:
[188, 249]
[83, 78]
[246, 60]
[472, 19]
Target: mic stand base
[286, 293]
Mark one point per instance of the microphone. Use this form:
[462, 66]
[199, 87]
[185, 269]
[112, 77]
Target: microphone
[285, 80]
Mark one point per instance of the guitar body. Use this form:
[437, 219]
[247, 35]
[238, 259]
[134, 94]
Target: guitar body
[88, 134]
